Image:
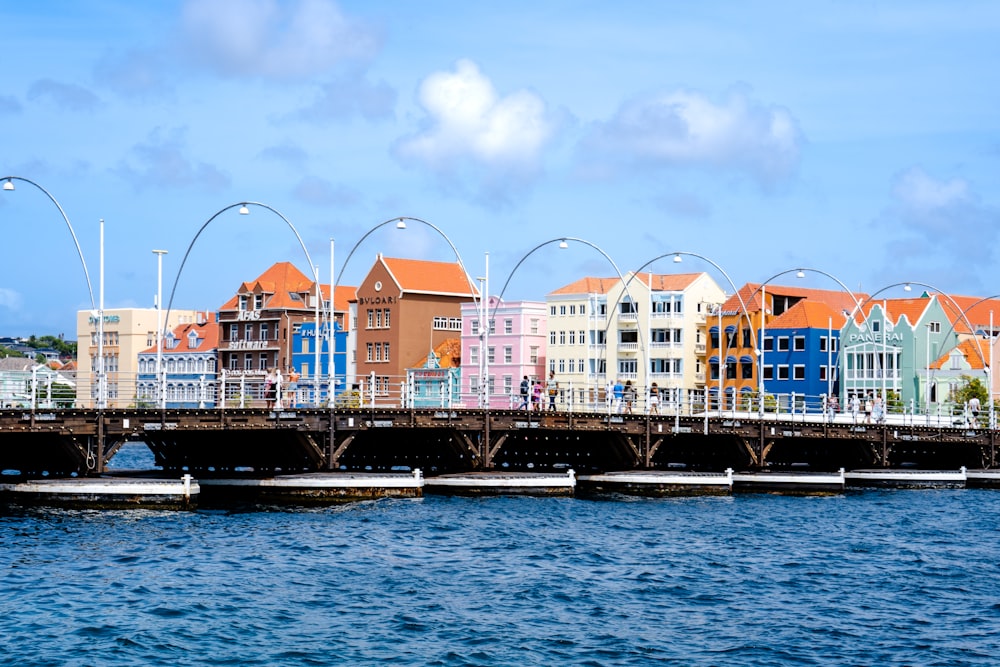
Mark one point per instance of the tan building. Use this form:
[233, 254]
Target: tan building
[404, 308]
[127, 332]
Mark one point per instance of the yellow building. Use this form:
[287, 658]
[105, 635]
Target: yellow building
[127, 332]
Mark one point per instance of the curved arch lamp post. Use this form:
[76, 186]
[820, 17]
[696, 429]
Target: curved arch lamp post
[800, 273]
[563, 242]
[400, 222]
[989, 366]
[8, 186]
[244, 209]
[678, 258]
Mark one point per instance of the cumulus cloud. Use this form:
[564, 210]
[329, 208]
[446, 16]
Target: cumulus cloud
[134, 73]
[66, 96]
[272, 39]
[685, 128]
[468, 124]
[10, 299]
[288, 153]
[348, 95]
[928, 228]
[162, 162]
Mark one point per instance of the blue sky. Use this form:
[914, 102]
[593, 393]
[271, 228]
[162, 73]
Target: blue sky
[859, 138]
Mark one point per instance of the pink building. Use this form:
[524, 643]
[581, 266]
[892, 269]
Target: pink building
[514, 347]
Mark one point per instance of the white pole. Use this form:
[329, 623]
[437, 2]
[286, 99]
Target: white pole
[927, 378]
[100, 329]
[317, 339]
[885, 351]
[161, 380]
[484, 304]
[989, 376]
[760, 357]
[330, 334]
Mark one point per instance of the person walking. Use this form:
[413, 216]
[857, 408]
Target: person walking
[536, 396]
[270, 389]
[629, 396]
[654, 399]
[552, 389]
[618, 391]
[525, 391]
[855, 407]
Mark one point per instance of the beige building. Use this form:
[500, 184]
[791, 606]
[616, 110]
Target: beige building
[127, 332]
[647, 330]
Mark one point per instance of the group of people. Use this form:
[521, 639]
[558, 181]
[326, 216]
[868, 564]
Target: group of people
[531, 391]
[274, 391]
[874, 408]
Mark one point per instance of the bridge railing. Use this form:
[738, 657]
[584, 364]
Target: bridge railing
[40, 390]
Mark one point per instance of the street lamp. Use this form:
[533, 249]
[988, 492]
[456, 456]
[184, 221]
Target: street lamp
[161, 380]
[8, 186]
[563, 242]
[244, 209]
[400, 223]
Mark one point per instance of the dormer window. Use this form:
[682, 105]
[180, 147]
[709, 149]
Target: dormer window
[243, 301]
[258, 301]
[170, 342]
[193, 340]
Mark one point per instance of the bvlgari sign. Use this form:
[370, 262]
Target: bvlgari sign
[376, 300]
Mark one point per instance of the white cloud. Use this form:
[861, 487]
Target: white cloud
[469, 122]
[10, 299]
[162, 161]
[684, 128]
[272, 39]
[68, 96]
[921, 197]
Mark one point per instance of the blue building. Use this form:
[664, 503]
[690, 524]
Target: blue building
[304, 343]
[437, 382]
[801, 355]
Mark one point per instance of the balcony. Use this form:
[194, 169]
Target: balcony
[628, 347]
[699, 348]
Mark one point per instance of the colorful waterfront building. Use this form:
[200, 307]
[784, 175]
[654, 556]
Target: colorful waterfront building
[256, 329]
[404, 306]
[515, 347]
[307, 348]
[645, 330]
[435, 382]
[188, 374]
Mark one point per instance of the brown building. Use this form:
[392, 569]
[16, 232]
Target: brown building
[256, 325]
[405, 306]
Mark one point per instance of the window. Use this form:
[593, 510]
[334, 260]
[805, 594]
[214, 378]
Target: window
[581, 338]
[474, 354]
[263, 331]
[822, 373]
[822, 343]
[475, 327]
[562, 337]
[747, 339]
[385, 318]
[263, 361]
[508, 384]
[491, 354]
[572, 309]
[782, 343]
[799, 343]
[385, 350]
[243, 301]
[234, 362]
[533, 354]
[934, 327]
[378, 318]
[572, 337]
[508, 326]
[782, 371]
[572, 365]
[248, 362]
[508, 354]
[562, 310]
[768, 344]
[746, 370]
[562, 366]
[552, 338]
[258, 301]
[534, 326]
[552, 310]
[768, 372]
[628, 307]
[628, 336]
[234, 332]
[799, 372]
[371, 318]
[371, 351]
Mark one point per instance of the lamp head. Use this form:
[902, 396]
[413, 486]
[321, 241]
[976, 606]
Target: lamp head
[244, 210]
[9, 185]
[800, 274]
[563, 244]
[401, 224]
[677, 259]
[907, 288]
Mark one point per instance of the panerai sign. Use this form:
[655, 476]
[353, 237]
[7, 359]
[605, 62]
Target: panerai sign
[874, 338]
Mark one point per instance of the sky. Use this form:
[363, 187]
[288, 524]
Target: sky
[856, 138]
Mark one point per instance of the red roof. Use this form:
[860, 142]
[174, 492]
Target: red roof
[277, 284]
[808, 314]
[207, 330]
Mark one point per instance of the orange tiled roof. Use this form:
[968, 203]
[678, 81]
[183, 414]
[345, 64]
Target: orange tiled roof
[808, 314]
[838, 300]
[208, 333]
[968, 349]
[345, 295]
[667, 282]
[278, 282]
[426, 277]
[588, 285]
[448, 353]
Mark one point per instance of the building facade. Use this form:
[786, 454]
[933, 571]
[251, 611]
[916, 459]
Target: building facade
[404, 306]
[187, 360]
[515, 347]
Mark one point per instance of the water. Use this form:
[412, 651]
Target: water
[870, 578]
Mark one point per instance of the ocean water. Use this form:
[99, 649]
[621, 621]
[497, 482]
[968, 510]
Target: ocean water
[867, 578]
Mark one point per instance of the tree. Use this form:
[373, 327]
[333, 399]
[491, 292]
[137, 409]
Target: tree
[971, 387]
